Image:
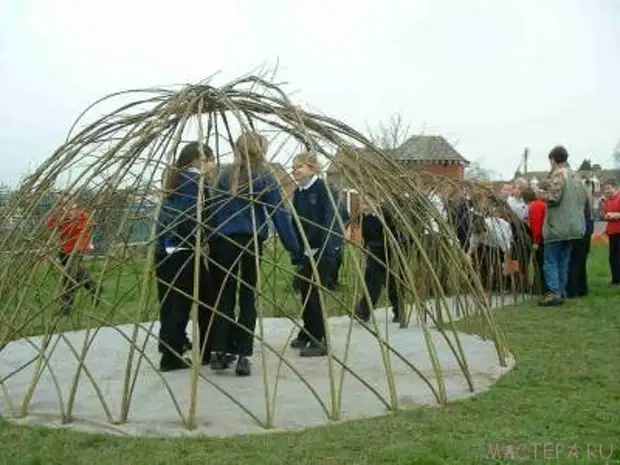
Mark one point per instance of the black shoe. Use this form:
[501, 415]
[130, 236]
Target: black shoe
[362, 316]
[187, 346]
[243, 367]
[313, 350]
[172, 363]
[299, 343]
[551, 300]
[220, 362]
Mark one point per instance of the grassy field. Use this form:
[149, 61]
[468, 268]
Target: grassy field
[124, 286]
[561, 404]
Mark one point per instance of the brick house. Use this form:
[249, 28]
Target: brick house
[432, 154]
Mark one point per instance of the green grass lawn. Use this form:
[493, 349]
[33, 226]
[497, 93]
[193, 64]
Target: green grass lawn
[124, 286]
[564, 391]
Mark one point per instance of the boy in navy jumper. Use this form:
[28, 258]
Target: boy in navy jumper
[175, 253]
[378, 260]
[245, 194]
[321, 228]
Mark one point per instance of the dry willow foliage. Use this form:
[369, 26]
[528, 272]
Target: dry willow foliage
[118, 160]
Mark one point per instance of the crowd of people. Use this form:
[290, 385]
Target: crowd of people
[551, 225]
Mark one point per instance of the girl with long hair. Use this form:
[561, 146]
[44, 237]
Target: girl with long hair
[245, 194]
[176, 253]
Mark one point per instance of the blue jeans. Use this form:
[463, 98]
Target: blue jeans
[556, 266]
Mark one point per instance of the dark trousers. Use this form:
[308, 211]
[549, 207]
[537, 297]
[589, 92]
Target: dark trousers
[333, 277]
[234, 263]
[540, 285]
[557, 261]
[614, 258]
[74, 276]
[577, 269]
[164, 274]
[375, 276]
[176, 292]
[312, 313]
[490, 261]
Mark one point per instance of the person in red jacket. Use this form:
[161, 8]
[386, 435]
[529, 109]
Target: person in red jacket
[74, 229]
[610, 210]
[537, 210]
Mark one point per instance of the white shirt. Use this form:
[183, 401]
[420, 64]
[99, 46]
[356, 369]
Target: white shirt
[519, 207]
[309, 184]
[441, 210]
[499, 235]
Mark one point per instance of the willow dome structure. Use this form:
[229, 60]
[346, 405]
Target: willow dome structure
[98, 365]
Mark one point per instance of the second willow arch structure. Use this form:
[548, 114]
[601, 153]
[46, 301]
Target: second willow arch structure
[113, 169]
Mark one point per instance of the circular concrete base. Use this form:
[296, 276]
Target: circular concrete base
[292, 405]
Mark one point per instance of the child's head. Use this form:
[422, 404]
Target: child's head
[610, 188]
[251, 148]
[192, 155]
[368, 203]
[305, 165]
[528, 195]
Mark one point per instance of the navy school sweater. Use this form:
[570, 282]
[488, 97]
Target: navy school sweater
[373, 230]
[178, 219]
[233, 213]
[319, 219]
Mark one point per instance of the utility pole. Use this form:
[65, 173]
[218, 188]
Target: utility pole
[526, 154]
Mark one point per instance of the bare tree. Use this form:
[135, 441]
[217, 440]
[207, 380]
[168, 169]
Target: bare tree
[476, 172]
[391, 134]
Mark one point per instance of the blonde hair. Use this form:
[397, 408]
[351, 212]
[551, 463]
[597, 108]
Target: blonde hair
[250, 149]
[309, 159]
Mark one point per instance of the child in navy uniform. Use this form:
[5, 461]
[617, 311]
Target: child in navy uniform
[378, 260]
[320, 225]
[176, 255]
[245, 193]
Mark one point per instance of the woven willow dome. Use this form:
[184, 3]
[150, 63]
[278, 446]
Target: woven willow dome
[113, 169]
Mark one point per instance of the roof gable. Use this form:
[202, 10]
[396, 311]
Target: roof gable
[428, 149]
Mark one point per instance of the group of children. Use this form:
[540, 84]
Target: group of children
[228, 210]
[236, 204]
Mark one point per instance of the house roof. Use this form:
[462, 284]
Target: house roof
[428, 149]
[419, 149]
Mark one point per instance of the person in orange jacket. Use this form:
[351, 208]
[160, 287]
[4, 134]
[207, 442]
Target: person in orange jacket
[75, 229]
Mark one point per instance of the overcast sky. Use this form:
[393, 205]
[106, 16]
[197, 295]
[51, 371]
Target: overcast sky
[493, 76]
